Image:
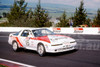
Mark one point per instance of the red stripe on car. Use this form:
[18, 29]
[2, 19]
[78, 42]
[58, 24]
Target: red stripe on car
[18, 42]
[43, 38]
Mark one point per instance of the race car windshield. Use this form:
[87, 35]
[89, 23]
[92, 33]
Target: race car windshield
[42, 32]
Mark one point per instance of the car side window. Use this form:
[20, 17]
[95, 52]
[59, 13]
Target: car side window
[37, 33]
[25, 33]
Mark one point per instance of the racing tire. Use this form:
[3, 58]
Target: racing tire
[41, 50]
[15, 46]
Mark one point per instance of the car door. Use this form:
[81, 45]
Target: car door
[33, 41]
[24, 38]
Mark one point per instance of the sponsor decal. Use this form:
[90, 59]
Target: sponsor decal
[27, 42]
[78, 30]
[98, 30]
[57, 30]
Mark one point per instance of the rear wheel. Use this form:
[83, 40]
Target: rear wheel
[15, 46]
[41, 50]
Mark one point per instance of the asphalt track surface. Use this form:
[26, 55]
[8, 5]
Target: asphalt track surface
[86, 55]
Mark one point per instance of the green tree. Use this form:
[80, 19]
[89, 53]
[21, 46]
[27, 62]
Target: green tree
[80, 15]
[40, 16]
[97, 19]
[18, 15]
[87, 22]
[63, 20]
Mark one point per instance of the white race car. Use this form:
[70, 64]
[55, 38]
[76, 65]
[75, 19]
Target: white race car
[41, 40]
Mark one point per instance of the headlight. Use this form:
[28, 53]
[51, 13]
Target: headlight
[57, 44]
[73, 42]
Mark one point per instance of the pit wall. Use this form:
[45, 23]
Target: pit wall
[59, 30]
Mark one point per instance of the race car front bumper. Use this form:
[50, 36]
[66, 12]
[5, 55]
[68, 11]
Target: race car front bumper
[61, 48]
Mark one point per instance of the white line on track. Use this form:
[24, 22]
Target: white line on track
[22, 64]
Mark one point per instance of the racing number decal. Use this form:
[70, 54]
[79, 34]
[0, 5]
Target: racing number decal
[27, 41]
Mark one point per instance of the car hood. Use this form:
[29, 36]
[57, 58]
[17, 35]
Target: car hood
[56, 39]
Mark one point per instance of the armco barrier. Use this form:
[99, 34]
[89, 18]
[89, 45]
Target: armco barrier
[62, 30]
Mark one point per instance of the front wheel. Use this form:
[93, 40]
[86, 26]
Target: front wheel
[15, 46]
[41, 50]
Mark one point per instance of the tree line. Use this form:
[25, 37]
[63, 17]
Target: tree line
[18, 16]
[79, 18]
[21, 17]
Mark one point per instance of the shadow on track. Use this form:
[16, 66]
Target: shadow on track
[61, 53]
[49, 54]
